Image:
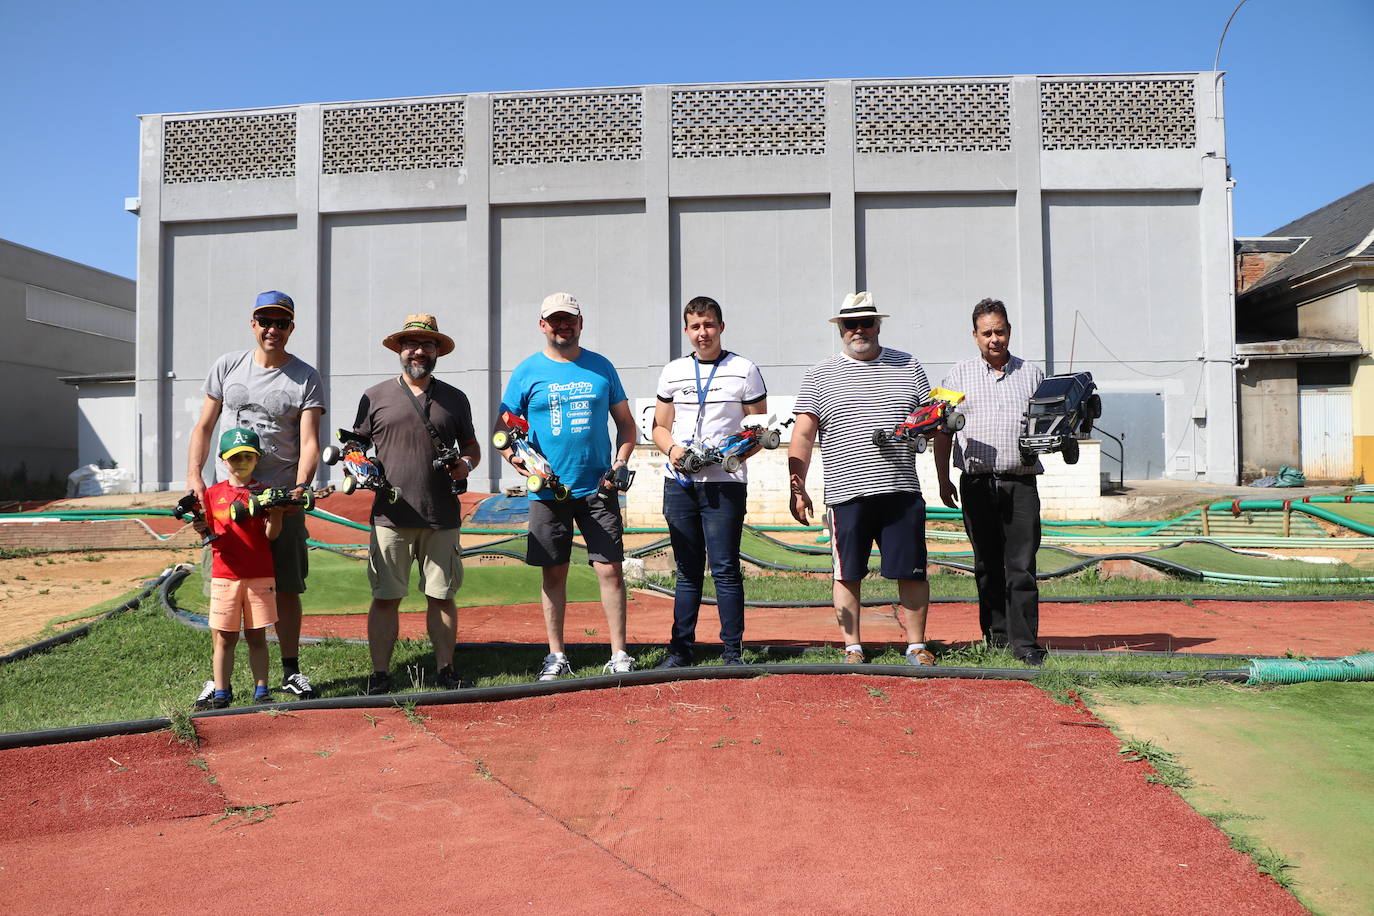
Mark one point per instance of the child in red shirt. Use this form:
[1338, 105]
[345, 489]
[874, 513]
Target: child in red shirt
[243, 580]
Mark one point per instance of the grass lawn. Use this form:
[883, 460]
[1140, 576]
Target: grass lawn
[338, 585]
[146, 664]
[1284, 770]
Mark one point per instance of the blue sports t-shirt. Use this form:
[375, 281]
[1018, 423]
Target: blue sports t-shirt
[568, 406]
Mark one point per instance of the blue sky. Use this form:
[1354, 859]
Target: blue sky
[74, 75]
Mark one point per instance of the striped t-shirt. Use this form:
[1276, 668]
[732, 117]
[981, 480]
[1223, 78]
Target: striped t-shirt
[851, 398]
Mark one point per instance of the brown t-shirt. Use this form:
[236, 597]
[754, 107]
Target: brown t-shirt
[407, 451]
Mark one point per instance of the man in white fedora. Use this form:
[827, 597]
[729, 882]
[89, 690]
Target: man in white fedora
[871, 491]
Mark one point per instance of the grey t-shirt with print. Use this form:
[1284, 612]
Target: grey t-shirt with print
[269, 402]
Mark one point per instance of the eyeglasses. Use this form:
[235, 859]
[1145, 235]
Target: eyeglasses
[281, 324]
[853, 324]
[418, 345]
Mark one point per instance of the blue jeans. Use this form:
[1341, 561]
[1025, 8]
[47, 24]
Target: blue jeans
[706, 519]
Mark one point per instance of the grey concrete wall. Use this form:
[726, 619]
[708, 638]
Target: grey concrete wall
[1093, 206]
[1269, 416]
[1332, 317]
[40, 411]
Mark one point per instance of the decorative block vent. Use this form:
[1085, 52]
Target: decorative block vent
[970, 117]
[779, 121]
[393, 138]
[231, 148]
[588, 127]
[1117, 114]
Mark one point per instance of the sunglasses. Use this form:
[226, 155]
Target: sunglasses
[853, 324]
[281, 324]
[418, 345]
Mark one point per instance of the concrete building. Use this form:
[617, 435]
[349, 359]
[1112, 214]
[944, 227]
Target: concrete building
[1305, 330]
[60, 319]
[1097, 207]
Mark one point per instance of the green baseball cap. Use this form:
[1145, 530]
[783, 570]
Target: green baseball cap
[238, 440]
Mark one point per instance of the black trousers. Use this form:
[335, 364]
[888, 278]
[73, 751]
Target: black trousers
[1002, 518]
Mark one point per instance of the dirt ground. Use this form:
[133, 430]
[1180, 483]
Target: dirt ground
[34, 590]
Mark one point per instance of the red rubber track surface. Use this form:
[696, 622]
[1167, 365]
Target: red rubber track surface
[845, 793]
[1316, 628]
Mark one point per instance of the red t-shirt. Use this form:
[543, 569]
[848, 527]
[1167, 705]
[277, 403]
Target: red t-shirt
[242, 550]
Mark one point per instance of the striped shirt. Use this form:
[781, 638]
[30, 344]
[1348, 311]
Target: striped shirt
[994, 406]
[851, 398]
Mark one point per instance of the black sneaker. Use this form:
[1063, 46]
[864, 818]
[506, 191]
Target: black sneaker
[223, 702]
[378, 683]
[207, 693]
[261, 698]
[672, 660]
[732, 660]
[447, 680]
[298, 685]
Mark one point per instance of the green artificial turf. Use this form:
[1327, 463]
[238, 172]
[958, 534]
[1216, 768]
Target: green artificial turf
[338, 585]
[1294, 760]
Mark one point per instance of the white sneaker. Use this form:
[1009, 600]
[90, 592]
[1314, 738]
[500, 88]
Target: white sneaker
[555, 666]
[620, 663]
[206, 694]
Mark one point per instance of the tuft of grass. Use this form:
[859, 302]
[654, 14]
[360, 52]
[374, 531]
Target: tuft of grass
[1167, 771]
[247, 814]
[413, 715]
[183, 728]
[481, 769]
[877, 693]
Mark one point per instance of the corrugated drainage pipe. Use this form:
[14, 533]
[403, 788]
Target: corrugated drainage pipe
[1295, 671]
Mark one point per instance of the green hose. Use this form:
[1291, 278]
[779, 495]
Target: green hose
[1295, 671]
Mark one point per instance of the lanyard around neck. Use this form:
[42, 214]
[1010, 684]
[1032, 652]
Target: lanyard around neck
[702, 390]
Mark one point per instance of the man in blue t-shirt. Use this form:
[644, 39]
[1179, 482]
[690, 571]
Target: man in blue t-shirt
[566, 394]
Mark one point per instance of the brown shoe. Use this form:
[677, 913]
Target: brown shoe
[853, 658]
[920, 657]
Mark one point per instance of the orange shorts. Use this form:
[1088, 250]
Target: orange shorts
[247, 604]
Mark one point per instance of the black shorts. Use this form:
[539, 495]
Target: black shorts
[551, 530]
[896, 521]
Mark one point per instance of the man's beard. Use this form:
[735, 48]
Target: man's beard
[415, 373]
[863, 348]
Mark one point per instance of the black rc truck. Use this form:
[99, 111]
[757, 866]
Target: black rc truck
[1061, 411]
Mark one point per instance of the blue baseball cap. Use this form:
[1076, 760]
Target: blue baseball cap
[275, 299]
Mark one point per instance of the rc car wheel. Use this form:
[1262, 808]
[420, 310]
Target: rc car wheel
[691, 463]
[1071, 451]
[255, 506]
[1027, 457]
[330, 455]
[349, 484]
[534, 483]
[955, 422]
[308, 500]
[731, 463]
[500, 440]
[921, 444]
[879, 436]
[1095, 407]
[561, 492]
[238, 511]
[772, 439]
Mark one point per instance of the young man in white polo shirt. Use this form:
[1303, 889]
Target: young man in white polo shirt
[702, 399]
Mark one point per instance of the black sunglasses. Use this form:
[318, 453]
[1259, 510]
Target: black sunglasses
[853, 324]
[281, 324]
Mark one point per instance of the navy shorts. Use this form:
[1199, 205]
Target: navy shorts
[895, 521]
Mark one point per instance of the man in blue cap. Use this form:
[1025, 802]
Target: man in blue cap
[281, 398]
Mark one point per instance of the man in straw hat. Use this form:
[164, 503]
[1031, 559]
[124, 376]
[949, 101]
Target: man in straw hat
[871, 491]
[422, 526]
[568, 394]
[281, 398]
